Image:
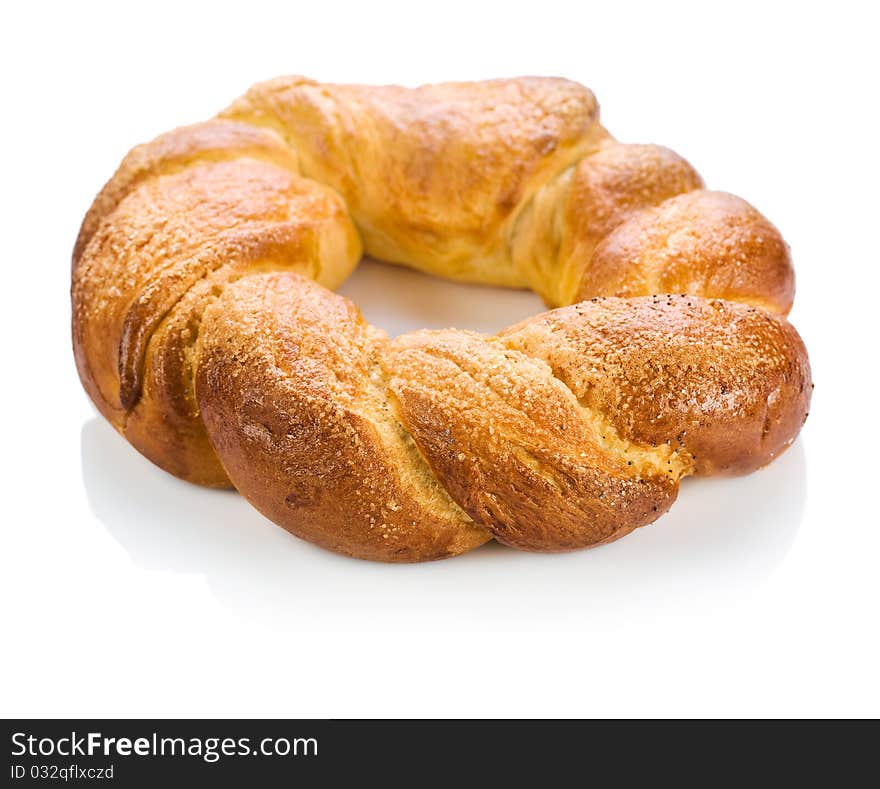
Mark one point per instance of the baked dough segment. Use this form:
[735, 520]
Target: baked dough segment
[209, 141]
[515, 182]
[515, 449]
[609, 187]
[703, 243]
[153, 263]
[727, 384]
[291, 390]
[434, 176]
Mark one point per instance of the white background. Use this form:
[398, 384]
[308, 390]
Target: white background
[128, 593]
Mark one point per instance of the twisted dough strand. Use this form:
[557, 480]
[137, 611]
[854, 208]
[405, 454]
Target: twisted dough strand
[204, 331]
[515, 182]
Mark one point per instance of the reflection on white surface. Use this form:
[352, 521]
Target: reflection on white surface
[722, 535]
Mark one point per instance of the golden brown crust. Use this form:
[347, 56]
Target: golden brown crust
[608, 188]
[705, 243]
[290, 389]
[136, 288]
[200, 336]
[513, 447]
[569, 430]
[726, 384]
[211, 141]
[433, 176]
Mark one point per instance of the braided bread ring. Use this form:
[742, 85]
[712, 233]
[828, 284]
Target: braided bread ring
[204, 330]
